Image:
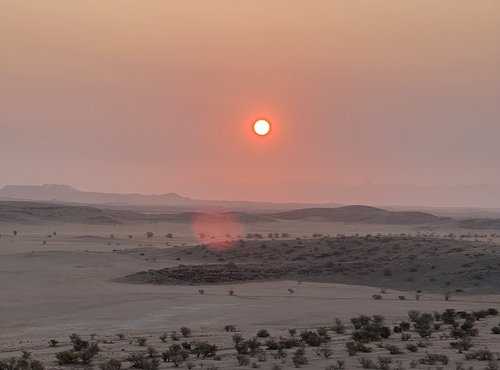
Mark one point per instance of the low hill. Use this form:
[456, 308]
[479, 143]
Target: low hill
[361, 214]
[407, 263]
[480, 224]
[34, 213]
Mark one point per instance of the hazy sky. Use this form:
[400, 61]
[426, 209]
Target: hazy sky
[159, 96]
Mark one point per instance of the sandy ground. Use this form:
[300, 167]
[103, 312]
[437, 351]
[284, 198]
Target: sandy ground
[49, 291]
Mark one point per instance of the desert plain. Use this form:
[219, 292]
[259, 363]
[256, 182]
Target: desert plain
[287, 292]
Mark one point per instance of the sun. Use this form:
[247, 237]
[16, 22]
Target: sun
[262, 127]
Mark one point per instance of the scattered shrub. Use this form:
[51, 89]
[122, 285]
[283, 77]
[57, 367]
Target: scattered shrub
[67, 357]
[480, 354]
[393, 349]
[186, 332]
[434, 358]
[111, 364]
[78, 342]
[263, 333]
[412, 347]
[140, 361]
[366, 363]
[299, 357]
[325, 352]
[242, 359]
[204, 349]
[141, 341]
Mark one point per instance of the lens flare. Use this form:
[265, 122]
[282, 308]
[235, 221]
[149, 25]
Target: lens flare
[217, 230]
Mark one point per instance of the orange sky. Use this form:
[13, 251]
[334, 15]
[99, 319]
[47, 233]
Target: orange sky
[159, 96]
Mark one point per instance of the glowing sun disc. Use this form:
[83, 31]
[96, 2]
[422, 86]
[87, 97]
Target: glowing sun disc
[261, 127]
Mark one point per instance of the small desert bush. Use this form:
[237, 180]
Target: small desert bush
[393, 349]
[299, 357]
[186, 332]
[141, 361]
[78, 342]
[339, 327]
[141, 341]
[175, 354]
[174, 336]
[242, 359]
[412, 347]
[480, 354]
[366, 363]
[271, 344]
[384, 363]
[312, 338]
[339, 365]
[325, 352]
[204, 349]
[88, 354]
[68, 357]
[263, 333]
[20, 364]
[463, 344]
[434, 358]
[111, 364]
[354, 347]
[405, 337]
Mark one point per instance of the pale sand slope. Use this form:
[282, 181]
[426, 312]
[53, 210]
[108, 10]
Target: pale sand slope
[55, 293]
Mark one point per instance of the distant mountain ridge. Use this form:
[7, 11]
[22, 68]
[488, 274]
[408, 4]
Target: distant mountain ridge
[68, 194]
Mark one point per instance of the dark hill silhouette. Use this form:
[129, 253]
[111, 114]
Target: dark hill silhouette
[361, 214]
